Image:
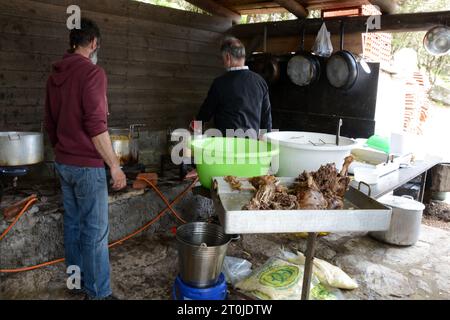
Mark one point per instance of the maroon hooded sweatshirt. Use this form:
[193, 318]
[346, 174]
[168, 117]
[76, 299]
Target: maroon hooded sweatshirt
[76, 110]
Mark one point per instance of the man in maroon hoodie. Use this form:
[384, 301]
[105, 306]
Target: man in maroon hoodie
[76, 123]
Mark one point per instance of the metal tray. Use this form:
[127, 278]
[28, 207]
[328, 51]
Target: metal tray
[361, 213]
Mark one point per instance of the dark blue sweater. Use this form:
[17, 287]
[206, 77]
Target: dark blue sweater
[238, 100]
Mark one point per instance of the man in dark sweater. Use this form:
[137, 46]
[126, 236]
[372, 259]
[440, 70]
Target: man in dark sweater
[76, 122]
[239, 99]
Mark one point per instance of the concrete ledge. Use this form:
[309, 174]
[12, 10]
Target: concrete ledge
[38, 236]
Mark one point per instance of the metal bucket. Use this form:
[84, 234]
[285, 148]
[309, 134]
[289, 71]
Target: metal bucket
[201, 250]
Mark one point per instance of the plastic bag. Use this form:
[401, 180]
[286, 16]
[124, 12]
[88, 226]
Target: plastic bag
[323, 292]
[323, 47]
[236, 269]
[328, 274]
[277, 279]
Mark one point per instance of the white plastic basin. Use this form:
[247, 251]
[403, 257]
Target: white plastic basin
[307, 151]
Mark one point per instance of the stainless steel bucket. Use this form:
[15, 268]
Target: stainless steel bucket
[201, 250]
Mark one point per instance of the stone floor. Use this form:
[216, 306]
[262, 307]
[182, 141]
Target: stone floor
[145, 267]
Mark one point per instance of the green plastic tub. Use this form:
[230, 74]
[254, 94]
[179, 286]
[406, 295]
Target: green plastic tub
[379, 143]
[219, 157]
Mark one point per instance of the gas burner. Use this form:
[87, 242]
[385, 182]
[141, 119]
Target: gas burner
[9, 177]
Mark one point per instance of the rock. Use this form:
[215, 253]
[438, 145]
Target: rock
[439, 210]
[412, 255]
[416, 272]
[387, 282]
[424, 286]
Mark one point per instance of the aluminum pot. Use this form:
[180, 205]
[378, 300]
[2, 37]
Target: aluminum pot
[406, 220]
[21, 148]
[201, 251]
[125, 144]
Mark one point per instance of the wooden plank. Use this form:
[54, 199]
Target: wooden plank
[294, 7]
[24, 97]
[389, 23]
[116, 24]
[140, 10]
[14, 61]
[386, 6]
[38, 80]
[216, 9]
[39, 45]
[283, 45]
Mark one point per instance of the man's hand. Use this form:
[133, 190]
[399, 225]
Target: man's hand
[102, 143]
[119, 178]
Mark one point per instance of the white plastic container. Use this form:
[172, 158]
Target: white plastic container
[367, 175]
[300, 151]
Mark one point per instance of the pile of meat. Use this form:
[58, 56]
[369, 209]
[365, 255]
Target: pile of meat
[322, 189]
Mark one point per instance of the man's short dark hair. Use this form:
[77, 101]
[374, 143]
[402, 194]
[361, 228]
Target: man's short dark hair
[234, 47]
[83, 36]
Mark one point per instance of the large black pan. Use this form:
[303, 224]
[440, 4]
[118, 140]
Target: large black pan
[266, 65]
[342, 67]
[303, 68]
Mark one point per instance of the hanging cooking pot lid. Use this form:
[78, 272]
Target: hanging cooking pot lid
[304, 68]
[437, 41]
[342, 67]
[403, 202]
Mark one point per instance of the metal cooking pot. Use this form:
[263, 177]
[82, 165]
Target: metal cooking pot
[125, 144]
[406, 220]
[342, 67]
[437, 41]
[304, 68]
[266, 65]
[21, 148]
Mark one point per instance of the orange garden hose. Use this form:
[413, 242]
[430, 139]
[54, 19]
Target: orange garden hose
[115, 243]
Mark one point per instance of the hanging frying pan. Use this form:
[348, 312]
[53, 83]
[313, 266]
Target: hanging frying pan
[437, 41]
[304, 68]
[266, 65]
[342, 67]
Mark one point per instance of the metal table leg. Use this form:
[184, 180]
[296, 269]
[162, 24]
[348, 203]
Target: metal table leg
[310, 250]
[422, 186]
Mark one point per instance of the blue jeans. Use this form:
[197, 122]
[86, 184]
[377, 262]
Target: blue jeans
[86, 228]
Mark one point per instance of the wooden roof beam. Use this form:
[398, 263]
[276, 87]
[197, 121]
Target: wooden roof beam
[216, 9]
[386, 6]
[294, 7]
[406, 22]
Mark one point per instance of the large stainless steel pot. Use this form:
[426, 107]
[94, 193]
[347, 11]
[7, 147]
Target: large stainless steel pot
[21, 148]
[406, 220]
[125, 144]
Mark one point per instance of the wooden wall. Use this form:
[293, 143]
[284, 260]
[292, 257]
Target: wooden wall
[159, 61]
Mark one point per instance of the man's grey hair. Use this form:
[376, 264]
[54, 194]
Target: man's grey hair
[234, 47]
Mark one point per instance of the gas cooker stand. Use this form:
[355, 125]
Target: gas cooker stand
[10, 173]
